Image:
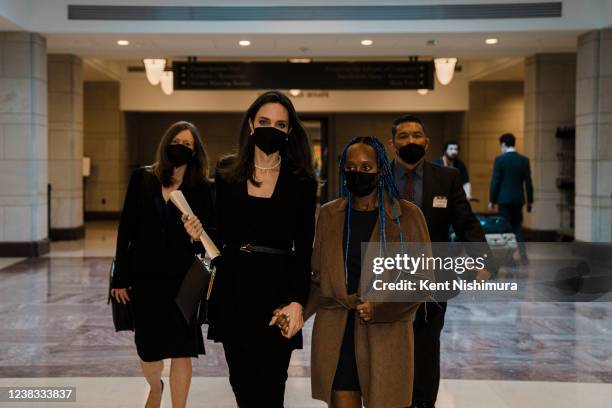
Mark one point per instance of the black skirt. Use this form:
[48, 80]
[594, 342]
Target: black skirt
[347, 378]
[160, 331]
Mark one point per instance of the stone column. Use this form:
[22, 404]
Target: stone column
[550, 99]
[23, 144]
[106, 145]
[65, 77]
[594, 137]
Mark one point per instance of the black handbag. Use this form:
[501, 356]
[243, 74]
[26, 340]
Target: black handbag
[193, 295]
[123, 315]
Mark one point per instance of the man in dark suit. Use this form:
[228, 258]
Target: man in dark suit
[438, 192]
[511, 180]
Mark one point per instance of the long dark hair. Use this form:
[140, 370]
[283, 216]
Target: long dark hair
[197, 167]
[298, 154]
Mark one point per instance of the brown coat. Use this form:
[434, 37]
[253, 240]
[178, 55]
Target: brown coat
[384, 347]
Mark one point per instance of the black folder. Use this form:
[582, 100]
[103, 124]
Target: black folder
[191, 297]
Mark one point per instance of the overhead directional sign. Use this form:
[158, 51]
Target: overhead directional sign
[314, 75]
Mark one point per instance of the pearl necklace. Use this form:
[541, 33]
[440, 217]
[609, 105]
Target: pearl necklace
[269, 168]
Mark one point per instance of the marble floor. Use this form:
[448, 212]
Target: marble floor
[56, 328]
[215, 392]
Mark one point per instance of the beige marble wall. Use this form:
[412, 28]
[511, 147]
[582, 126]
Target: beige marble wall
[594, 137]
[106, 144]
[495, 108]
[65, 76]
[550, 99]
[23, 137]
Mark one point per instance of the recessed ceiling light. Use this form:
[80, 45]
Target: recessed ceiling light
[244, 43]
[123, 42]
[300, 60]
[423, 91]
[491, 41]
[367, 42]
[295, 92]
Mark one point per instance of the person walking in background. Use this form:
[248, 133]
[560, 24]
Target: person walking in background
[362, 352]
[510, 183]
[450, 158]
[154, 254]
[438, 192]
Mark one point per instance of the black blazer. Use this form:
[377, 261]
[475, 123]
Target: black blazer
[440, 181]
[153, 247]
[249, 287]
[299, 196]
[511, 180]
[445, 182]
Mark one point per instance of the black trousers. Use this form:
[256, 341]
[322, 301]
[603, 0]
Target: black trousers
[514, 214]
[257, 376]
[427, 326]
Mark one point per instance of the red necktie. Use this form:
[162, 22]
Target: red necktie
[409, 187]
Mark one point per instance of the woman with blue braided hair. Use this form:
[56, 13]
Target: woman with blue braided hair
[362, 352]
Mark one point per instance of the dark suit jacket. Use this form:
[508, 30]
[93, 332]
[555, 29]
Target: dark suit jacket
[445, 182]
[511, 173]
[440, 181]
[149, 250]
[459, 165]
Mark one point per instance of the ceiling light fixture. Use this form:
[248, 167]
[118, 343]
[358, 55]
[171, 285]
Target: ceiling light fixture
[367, 42]
[154, 69]
[491, 41]
[295, 92]
[445, 69]
[422, 92]
[244, 43]
[123, 42]
[300, 60]
[167, 82]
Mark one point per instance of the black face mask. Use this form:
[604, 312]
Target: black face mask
[269, 139]
[360, 184]
[178, 154]
[411, 153]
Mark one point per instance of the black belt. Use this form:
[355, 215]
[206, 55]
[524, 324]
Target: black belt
[250, 249]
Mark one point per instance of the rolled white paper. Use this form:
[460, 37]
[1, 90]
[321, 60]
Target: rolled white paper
[181, 203]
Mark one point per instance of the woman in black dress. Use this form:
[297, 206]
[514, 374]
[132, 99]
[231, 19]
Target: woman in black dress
[154, 253]
[265, 201]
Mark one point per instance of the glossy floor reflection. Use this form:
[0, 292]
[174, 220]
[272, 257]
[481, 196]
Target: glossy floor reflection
[56, 323]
